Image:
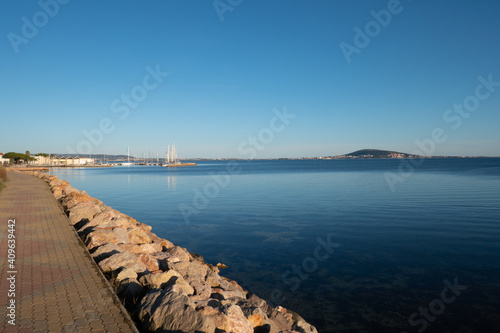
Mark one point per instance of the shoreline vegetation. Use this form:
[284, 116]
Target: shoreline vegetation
[3, 177]
[163, 286]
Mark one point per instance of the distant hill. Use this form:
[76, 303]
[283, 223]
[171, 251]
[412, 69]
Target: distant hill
[377, 153]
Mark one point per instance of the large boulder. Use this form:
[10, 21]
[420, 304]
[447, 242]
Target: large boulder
[66, 191]
[150, 261]
[137, 235]
[76, 198]
[130, 292]
[213, 309]
[163, 242]
[299, 324]
[167, 311]
[302, 326]
[172, 255]
[222, 294]
[106, 251]
[60, 186]
[123, 260]
[179, 286]
[190, 270]
[227, 284]
[124, 274]
[104, 236]
[278, 318]
[84, 211]
[202, 290]
[142, 248]
[237, 321]
[159, 280]
[257, 316]
[170, 280]
[106, 218]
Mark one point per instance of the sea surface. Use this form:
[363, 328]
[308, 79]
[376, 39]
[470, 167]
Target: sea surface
[351, 245]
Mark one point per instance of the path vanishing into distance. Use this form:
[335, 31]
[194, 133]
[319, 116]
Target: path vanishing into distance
[48, 281]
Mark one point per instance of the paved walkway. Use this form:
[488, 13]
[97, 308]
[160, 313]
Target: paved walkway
[57, 286]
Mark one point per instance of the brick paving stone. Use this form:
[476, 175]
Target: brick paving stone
[84, 330]
[23, 330]
[53, 318]
[54, 327]
[25, 323]
[40, 325]
[58, 286]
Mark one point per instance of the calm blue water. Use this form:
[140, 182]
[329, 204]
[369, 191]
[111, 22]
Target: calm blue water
[389, 252]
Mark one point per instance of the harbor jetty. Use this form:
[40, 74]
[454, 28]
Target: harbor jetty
[164, 287]
[180, 164]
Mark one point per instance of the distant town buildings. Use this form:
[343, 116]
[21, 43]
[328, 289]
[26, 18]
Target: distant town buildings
[54, 160]
[59, 160]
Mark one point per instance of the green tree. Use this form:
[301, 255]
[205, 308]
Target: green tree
[28, 153]
[18, 157]
[42, 154]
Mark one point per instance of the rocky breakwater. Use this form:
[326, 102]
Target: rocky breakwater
[163, 286]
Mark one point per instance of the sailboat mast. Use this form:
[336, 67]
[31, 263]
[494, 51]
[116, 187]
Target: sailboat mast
[174, 154]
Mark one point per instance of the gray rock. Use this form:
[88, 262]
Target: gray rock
[130, 292]
[143, 248]
[122, 260]
[303, 327]
[104, 236]
[126, 273]
[83, 211]
[223, 283]
[106, 251]
[138, 235]
[237, 321]
[165, 280]
[172, 255]
[228, 294]
[279, 320]
[179, 286]
[257, 301]
[258, 317]
[190, 271]
[163, 311]
[202, 290]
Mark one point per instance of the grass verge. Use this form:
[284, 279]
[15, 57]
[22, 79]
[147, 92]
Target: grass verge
[3, 176]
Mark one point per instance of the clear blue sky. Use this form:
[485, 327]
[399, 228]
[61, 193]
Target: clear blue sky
[226, 76]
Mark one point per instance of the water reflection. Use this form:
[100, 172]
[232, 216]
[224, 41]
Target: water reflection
[172, 183]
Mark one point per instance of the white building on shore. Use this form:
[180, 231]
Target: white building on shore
[58, 160]
[3, 160]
